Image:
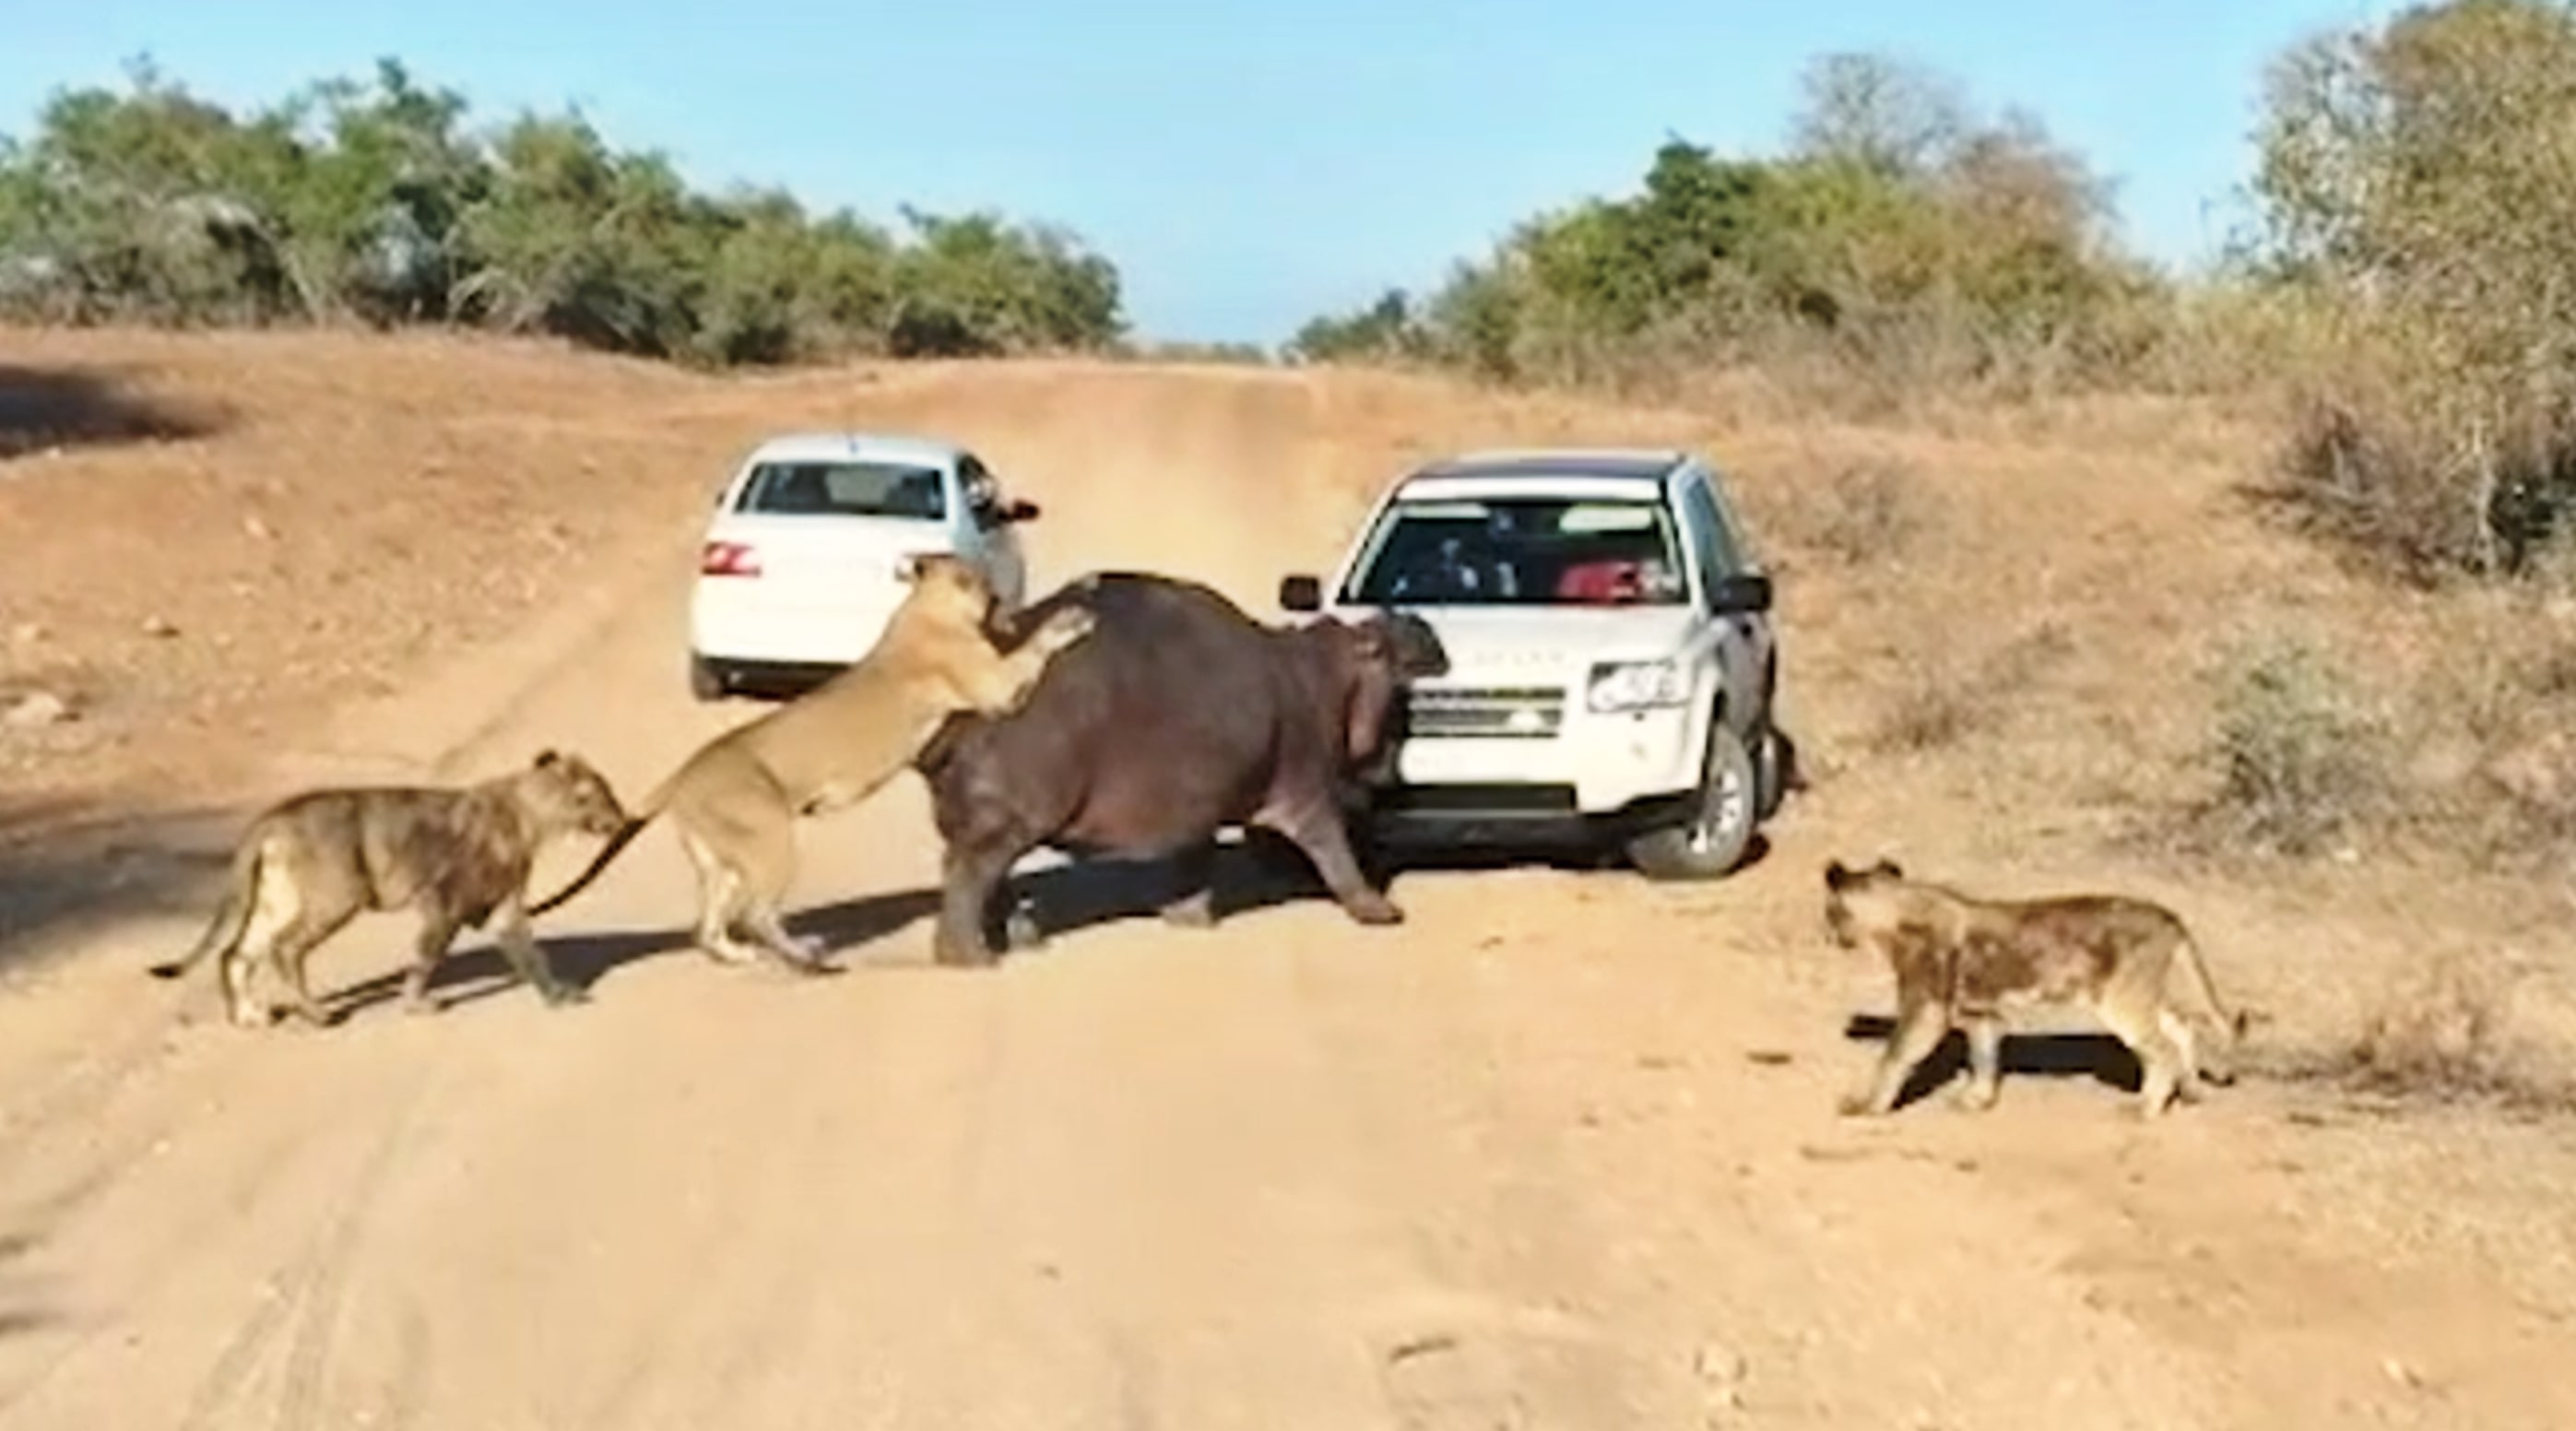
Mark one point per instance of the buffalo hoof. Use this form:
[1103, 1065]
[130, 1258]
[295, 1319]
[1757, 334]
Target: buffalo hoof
[1197, 912]
[1376, 910]
[951, 952]
[564, 996]
[1021, 931]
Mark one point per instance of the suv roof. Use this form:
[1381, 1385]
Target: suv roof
[1545, 463]
[883, 446]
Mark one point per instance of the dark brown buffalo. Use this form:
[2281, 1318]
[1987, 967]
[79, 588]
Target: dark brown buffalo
[1178, 716]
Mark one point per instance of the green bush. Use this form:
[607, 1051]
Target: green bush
[2303, 761]
[374, 203]
[1900, 232]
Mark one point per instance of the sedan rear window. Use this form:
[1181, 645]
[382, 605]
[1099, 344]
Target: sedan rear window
[845, 489]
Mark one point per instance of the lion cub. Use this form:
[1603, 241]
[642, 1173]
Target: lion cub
[737, 798]
[1965, 962]
[310, 863]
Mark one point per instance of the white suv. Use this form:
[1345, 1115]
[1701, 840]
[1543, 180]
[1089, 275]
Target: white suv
[800, 569]
[1611, 655]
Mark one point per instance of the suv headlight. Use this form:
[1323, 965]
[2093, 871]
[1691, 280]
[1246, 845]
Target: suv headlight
[1635, 685]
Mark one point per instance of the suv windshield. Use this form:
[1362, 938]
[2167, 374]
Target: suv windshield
[1527, 551]
[845, 489]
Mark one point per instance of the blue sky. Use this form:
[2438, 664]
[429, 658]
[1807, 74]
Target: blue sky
[1245, 164]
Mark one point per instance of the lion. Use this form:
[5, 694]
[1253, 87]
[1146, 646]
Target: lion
[309, 864]
[737, 798]
[1967, 963]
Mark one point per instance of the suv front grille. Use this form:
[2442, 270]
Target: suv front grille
[1484, 712]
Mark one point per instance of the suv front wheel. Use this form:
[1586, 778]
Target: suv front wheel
[1711, 842]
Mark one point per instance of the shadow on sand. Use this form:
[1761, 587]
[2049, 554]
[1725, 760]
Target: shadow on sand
[2098, 1056]
[67, 864]
[45, 408]
[1261, 872]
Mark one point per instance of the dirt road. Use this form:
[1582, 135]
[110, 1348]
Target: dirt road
[1555, 1153]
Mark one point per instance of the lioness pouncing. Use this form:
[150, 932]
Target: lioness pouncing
[1966, 962]
[309, 864]
[736, 800]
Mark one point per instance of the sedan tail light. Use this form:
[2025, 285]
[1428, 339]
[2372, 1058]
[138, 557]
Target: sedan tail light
[728, 559]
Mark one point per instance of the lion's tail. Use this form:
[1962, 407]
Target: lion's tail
[644, 815]
[2233, 1022]
[232, 912]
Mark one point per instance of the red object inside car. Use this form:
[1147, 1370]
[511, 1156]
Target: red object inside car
[1602, 581]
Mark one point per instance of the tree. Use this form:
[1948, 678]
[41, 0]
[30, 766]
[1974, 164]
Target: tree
[2420, 176]
[1894, 119]
[1383, 330]
[375, 202]
[1901, 230]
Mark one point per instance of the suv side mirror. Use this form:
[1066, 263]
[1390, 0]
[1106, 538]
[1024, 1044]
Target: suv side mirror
[989, 516]
[1742, 594]
[1301, 593]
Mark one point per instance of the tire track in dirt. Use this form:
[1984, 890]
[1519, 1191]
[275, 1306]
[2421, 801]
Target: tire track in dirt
[249, 1181]
[320, 1302]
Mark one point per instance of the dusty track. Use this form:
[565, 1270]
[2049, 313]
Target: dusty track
[1556, 1153]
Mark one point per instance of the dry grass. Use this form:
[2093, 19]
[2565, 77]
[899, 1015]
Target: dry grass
[1865, 511]
[2453, 1029]
[1938, 699]
[2441, 1030]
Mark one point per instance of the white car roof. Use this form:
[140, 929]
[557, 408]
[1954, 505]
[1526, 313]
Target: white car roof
[1472, 488]
[878, 446]
[1601, 472]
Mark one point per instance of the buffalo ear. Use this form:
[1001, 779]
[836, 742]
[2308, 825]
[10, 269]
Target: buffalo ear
[549, 758]
[1889, 869]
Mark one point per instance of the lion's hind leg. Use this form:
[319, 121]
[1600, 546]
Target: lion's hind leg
[2132, 1011]
[768, 869]
[276, 906]
[719, 901]
[290, 951]
[2190, 1085]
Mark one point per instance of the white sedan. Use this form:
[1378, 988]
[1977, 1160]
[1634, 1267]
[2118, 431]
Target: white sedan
[801, 565]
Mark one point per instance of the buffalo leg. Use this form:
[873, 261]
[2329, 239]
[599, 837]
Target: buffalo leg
[1317, 829]
[1194, 884]
[970, 874]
